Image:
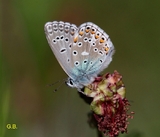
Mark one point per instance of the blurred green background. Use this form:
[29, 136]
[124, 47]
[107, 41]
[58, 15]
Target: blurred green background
[27, 65]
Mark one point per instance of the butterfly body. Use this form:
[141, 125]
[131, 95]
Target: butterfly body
[83, 52]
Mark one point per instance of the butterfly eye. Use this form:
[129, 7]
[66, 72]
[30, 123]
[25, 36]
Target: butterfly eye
[69, 82]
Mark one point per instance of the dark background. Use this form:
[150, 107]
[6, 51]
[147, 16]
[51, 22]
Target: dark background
[27, 65]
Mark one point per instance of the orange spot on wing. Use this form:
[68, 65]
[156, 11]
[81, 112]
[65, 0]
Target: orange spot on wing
[87, 30]
[102, 40]
[81, 33]
[72, 33]
[106, 49]
[75, 39]
[93, 32]
[96, 36]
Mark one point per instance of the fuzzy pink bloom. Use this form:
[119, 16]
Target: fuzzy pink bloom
[109, 105]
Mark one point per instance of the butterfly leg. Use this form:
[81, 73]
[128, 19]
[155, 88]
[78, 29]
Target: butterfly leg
[81, 90]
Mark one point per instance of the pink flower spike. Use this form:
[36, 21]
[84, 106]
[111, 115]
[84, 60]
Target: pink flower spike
[109, 105]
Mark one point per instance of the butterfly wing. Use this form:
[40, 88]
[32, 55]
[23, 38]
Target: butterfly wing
[82, 52]
[60, 37]
[92, 52]
[101, 49]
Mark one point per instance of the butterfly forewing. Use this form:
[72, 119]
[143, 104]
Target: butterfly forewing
[60, 38]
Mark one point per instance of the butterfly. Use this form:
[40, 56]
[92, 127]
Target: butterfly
[83, 52]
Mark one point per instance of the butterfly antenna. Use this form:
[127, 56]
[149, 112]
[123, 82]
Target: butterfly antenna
[56, 83]
[60, 85]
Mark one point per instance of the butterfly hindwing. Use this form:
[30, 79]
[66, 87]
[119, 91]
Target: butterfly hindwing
[93, 49]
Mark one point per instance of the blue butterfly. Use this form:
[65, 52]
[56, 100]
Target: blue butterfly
[83, 52]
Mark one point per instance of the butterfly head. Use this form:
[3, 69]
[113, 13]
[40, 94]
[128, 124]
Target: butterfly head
[70, 82]
[74, 84]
